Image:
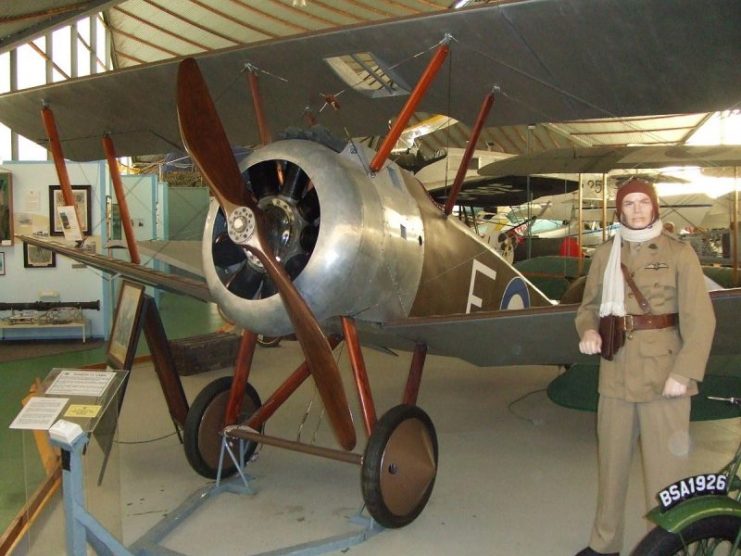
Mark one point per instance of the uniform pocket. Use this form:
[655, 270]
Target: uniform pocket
[658, 349]
[662, 288]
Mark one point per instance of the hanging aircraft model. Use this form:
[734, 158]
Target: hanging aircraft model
[342, 244]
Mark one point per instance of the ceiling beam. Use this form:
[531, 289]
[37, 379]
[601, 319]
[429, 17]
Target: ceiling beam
[53, 21]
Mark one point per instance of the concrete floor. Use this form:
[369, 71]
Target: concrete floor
[517, 473]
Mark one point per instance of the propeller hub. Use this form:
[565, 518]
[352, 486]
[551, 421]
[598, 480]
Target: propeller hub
[241, 225]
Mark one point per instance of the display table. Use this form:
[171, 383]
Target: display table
[5, 325]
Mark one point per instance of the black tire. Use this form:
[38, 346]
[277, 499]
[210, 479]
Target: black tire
[268, 341]
[399, 466]
[204, 423]
[712, 535]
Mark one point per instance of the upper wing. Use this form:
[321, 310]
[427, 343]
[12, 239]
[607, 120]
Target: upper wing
[538, 336]
[553, 60]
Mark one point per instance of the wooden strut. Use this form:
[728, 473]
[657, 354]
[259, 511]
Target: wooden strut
[55, 145]
[411, 105]
[468, 153]
[360, 373]
[123, 206]
[242, 367]
[164, 366]
[262, 126]
[283, 392]
[411, 390]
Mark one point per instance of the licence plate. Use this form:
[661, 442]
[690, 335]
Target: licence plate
[699, 485]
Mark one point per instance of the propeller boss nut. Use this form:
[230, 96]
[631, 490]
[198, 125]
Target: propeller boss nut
[241, 225]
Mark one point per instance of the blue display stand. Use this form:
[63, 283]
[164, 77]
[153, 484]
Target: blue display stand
[82, 528]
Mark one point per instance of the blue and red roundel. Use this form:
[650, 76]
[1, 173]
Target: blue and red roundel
[516, 295]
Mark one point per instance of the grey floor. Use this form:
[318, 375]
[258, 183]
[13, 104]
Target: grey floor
[517, 473]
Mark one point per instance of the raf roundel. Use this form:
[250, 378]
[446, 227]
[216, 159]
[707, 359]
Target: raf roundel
[516, 295]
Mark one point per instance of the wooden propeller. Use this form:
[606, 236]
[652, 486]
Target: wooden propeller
[205, 140]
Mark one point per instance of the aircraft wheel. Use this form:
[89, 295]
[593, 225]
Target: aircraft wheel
[399, 466]
[268, 341]
[204, 423]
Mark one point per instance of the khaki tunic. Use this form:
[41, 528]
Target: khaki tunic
[668, 274]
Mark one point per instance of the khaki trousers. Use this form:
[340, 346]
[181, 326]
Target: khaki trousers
[663, 426]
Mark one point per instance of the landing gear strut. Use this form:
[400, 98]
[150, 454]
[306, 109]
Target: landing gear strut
[204, 423]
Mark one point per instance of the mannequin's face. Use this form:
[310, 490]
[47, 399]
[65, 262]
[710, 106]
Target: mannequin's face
[637, 210]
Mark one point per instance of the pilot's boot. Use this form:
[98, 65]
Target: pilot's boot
[589, 552]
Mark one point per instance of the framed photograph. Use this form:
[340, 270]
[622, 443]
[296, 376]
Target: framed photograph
[38, 257]
[2, 263]
[126, 326]
[6, 209]
[82, 195]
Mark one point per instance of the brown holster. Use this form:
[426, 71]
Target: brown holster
[611, 327]
[613, 336]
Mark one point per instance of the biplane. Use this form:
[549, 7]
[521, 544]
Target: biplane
[333, 242]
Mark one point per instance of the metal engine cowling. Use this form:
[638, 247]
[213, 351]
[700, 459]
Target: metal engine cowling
[352, 243]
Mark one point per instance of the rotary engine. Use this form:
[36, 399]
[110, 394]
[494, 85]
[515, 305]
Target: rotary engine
[352, 243]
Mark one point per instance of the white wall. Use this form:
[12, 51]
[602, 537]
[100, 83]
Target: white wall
[141, 198]
[31, 181]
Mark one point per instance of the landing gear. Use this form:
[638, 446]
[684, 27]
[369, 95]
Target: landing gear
[399, 466]
[204, 423]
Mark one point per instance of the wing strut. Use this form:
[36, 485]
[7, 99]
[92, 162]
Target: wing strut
[123, 206]
[470, 147]
[254, 84]
[411, 105]
[47, 116]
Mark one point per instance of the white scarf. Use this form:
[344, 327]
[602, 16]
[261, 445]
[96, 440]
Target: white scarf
[613, 283]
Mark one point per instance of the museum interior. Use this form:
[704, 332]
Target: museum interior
[301, 276]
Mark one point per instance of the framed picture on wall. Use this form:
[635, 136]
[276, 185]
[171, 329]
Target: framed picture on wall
[6, 209]
[82, 195]
[126, 326]
[38, 257]
[2, 263]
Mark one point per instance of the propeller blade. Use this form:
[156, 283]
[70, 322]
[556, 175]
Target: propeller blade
[205, 139]
[317, 350]
[208, 146]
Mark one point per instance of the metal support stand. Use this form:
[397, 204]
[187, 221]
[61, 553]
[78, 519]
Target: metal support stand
[81, 527]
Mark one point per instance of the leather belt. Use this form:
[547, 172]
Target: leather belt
[628, 323]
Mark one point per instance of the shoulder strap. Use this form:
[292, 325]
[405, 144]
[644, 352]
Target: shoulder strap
[639, 296]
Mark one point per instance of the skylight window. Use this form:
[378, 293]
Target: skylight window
[366, 74]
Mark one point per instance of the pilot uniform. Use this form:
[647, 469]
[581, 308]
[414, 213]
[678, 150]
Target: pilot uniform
[667, 273]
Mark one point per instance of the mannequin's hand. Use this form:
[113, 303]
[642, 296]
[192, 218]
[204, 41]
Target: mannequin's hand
[590, 342]
[673, 388]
